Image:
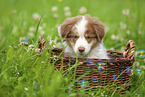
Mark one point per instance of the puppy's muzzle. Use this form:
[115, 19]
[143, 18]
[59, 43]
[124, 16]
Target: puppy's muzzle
[81, 49]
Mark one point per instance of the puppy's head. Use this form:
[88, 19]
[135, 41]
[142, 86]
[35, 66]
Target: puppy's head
[82, 33]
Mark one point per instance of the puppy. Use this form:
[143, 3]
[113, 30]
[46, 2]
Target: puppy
[83, 37]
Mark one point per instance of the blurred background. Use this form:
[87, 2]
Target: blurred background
[124, 19]
[25, 20]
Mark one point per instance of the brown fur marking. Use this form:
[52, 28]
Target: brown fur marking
[94, 26]
[65, 27]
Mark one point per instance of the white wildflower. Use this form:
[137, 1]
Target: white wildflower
[128, 32]
[54, 46]
[117, 37]
[102, 94]
[139, 32]
[55, 15]
[125, 12]
[113, 36]
[137, 64]
[111, 48]
[67, 14]
[121, 23]
[143, 67]
[136, 53]
[132, 17]
[44, 24]
[17, 74]
[37, 50]
[58, 45]
[15, 47]
[36, 16]
[83, 10]
[66, 8]
[140, 25]
[50, 42]
[124, 27]
[49, 38]
[54, 8]
[31, 47]
[31, 34]
[26, 88]
[14, 11]
[21, 39]
[40, 28]
[42, 32]
[32, 29]
[42, 62]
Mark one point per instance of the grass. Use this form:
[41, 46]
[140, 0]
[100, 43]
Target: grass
[24, 74]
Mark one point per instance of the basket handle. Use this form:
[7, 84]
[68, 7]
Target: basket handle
[129, 50]
[41, 43]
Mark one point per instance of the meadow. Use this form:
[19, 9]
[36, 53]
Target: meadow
[24, 74]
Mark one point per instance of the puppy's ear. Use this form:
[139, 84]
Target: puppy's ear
[99, 29]
[65, 28]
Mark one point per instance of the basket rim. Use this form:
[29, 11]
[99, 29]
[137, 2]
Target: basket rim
[128, 55]
[97, 59]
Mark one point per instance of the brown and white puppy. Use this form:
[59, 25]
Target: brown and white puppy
[83, 36]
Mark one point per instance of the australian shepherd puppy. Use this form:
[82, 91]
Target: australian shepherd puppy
[83, 37]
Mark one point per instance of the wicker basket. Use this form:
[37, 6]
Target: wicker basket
[97, 72]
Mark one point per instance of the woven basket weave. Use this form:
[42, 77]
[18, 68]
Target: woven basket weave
[97, 72]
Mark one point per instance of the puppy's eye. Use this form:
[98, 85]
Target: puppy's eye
[76, 37]
[88, 37]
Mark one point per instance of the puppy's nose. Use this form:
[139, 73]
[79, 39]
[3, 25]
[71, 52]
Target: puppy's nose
[81, 49]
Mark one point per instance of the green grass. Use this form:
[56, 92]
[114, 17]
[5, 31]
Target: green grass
[24, 74]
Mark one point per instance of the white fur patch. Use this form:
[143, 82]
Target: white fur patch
[81, 26]
[81, 42]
